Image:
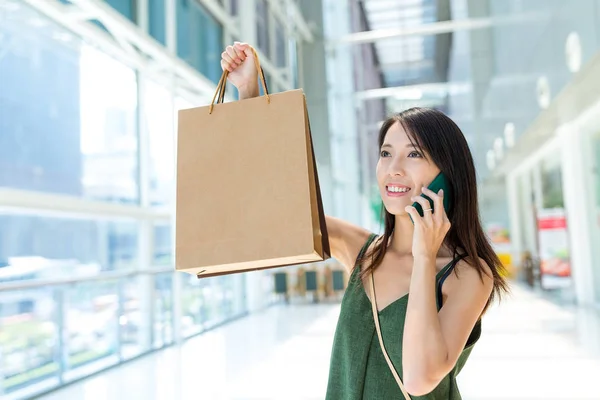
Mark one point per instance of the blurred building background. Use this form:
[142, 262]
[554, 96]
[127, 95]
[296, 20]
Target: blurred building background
[89, 93]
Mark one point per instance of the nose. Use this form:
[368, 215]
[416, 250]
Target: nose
[396, 167]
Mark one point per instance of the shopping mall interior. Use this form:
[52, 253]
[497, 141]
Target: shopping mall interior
[92, 305]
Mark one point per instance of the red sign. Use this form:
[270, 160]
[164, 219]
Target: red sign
[552, 223]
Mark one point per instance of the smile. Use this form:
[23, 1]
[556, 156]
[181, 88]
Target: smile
[397, 190]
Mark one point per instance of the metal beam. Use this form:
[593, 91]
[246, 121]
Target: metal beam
[27, 202]
[103, 277]
[148, 50]
[77, 14]
[412, 91]
[435, 28]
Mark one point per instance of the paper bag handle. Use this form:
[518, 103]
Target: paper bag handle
[223, 83]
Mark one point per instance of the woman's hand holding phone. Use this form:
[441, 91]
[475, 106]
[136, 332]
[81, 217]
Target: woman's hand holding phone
[430, 229]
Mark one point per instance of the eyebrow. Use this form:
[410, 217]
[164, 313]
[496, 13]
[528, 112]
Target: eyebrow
[410, 145]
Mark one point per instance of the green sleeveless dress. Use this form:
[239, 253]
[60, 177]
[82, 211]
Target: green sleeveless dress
[358, 368]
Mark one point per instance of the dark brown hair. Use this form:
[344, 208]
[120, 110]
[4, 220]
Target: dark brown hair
[442, 141]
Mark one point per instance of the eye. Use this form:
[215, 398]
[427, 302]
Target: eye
[414, 154]
[384, 153]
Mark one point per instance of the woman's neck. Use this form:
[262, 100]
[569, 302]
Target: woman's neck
[402, 239]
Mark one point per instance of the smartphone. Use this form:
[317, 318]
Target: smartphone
[439, 182]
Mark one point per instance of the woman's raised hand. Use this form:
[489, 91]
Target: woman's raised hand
[239, 61]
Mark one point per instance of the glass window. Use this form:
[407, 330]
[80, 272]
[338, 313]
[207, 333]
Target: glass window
[134, 315]
[109, 128]
[234, 7]
[163, 310]
[67, 114]
[156, 20]
[28, 338]
[36, 247]
[211, 47]
[91, 331]
[199, 39]
[163, 247]
[263, 27]
[192, 305]
[234, 295]
[159, 115]
[125, 7]
[214, 308]
[208, 302]
[293, 59]
[552, 192]
[280, 45]
[185, 35]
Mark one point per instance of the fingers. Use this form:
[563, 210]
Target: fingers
[225, 65]
[243, 48]
[414, 214]
[239, 51]
[425, 205]
[235, 55]
[227, 62]
[438, 201]
[232, 53]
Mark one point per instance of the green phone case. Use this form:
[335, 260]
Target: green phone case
[439, 182]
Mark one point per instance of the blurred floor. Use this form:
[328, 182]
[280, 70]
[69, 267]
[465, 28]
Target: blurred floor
[530, 349]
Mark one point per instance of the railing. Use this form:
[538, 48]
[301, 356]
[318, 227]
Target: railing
[56, 331]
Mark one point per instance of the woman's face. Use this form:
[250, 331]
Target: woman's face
[402, 170]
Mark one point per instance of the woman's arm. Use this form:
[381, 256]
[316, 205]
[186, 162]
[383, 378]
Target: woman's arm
[345, 240]
[433, 340]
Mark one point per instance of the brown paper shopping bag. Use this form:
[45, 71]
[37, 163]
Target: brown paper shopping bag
[248, 194]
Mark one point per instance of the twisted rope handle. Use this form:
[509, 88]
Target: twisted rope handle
[220, 93]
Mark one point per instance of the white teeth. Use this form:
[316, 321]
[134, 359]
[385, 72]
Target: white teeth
[398, 190]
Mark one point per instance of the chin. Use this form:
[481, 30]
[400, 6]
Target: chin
[396, 209]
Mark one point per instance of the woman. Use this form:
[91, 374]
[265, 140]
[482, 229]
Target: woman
[443, 260]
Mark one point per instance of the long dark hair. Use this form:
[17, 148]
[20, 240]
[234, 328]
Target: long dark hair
[436, 135]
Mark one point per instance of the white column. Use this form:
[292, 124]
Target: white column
[171, 25]
[177, 276]
[142, 14]
[146, 228]
[247, 21]
[576, 205]
[343, 124]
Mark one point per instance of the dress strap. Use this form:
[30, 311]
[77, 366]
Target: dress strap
[445, 273]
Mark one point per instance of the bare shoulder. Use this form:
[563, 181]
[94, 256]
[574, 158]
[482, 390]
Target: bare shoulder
[345, 240]
[469, 280]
